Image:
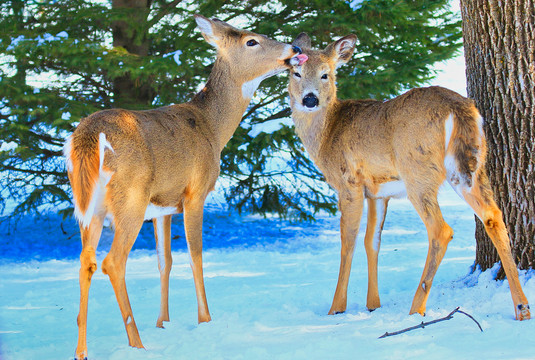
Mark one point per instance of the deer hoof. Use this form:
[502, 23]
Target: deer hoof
[522, 312]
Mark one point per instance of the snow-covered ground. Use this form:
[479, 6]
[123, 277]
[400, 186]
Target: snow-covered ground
[269, 285]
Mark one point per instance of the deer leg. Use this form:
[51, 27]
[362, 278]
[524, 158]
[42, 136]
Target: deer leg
[439, 234]
[481, 198]
[88, 266]
[162, 233]
[351, 209]
[126, 231]
[372, 243]
[193, 218]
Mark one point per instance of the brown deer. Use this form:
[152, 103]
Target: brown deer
[135, 165]
[379, 150]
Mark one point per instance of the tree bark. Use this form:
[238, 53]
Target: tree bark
[499, 46]
[132, 34]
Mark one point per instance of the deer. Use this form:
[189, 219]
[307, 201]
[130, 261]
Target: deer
[131, 166]
[406, 146]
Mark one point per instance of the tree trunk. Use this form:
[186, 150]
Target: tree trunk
[132, 34]
[499, 46]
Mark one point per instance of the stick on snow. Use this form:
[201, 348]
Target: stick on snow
[424, 324]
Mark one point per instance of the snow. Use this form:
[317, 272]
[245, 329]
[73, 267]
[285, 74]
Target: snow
[8, 146]
[46, 37]
[176, 56]
[49, 37]
[270, 126]
[356, 4]
[269, 285]
[15, 42]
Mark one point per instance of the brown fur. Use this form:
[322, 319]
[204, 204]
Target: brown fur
[85, 169]
[364, 146]
[167, 158]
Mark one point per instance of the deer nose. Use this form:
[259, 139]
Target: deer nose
[310, 100]
[297, 49]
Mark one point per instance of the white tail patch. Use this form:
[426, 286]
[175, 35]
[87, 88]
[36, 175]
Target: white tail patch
[479, 120]
[453, 177]
[102, 145]
[452, 173]
[99, 191]
[67, 150]
[449, 130]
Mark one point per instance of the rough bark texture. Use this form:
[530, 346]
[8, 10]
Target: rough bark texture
[499, 45]
[132, 35]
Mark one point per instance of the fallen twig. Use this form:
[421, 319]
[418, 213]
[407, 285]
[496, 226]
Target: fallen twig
[424, 324]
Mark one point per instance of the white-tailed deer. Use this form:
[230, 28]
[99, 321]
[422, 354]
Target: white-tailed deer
[378, 150]
[136, 165]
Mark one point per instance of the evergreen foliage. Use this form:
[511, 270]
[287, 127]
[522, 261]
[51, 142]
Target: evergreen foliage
[61, 60]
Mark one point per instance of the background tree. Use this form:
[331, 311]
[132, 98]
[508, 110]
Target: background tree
[499, 43]
[62, 60]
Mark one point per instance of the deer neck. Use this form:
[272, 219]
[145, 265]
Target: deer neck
[223, 102]
[313, 128]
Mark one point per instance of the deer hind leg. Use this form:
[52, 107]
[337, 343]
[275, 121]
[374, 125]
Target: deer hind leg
[480, 197]
[193, 218]
[350, 205]
[88, 266]
[127, 226]
[439, 234]
[372, 243]
[162, 233]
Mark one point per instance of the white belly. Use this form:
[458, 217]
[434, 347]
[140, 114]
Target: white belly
[154, 211]
[395, 189]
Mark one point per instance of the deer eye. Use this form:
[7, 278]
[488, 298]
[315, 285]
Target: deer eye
[296, 74]
[324, 76]
[252, 42]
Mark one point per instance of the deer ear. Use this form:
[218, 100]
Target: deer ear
[342, 49]
[208, 29]
[303, 41]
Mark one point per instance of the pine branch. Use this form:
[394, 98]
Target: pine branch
[41, 173]
[424, 324]
[262, 103]
[164, 11]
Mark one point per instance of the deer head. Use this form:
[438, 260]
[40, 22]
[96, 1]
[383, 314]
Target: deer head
[313, 83]
[252, 57]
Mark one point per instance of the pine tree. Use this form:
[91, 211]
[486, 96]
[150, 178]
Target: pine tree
[62, 60]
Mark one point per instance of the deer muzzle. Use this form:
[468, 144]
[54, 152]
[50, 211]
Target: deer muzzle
[310, 101]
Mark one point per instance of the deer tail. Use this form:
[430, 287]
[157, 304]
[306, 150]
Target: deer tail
[85, 159]
[465, 145]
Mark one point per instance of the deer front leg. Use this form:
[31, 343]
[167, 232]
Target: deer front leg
[350, 205]
[162, 234]
[193, 218]
[372, 243]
